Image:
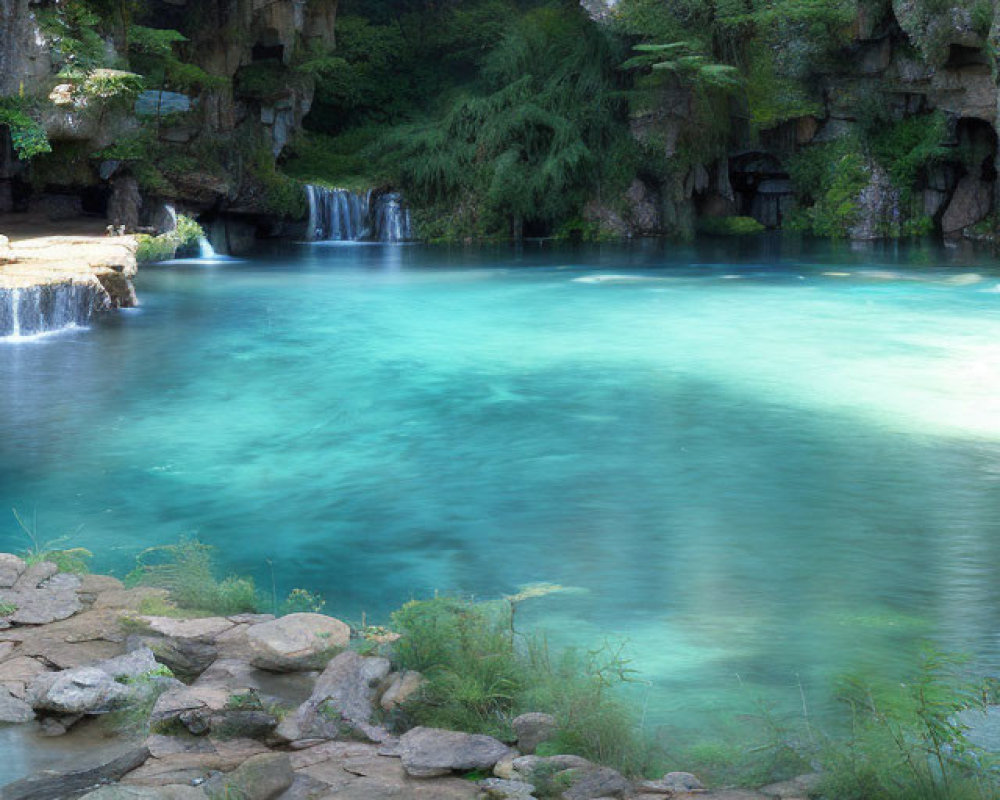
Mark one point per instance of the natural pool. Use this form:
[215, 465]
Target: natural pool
[763, 465]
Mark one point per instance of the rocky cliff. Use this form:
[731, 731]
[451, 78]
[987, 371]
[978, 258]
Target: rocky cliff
[221, 97]
[912, 63]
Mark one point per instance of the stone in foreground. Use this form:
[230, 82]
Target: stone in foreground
[297, 642]
[672, 783]
[532, 729]
[342, 700]
[429, 752]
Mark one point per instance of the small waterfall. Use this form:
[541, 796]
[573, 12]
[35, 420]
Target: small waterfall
[205, 249]
[41, 309]
[342, 216]
[392, 219]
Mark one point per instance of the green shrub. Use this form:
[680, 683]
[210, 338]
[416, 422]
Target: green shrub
[729, 226]
[907, 741]
[828, 179]
[26, 133]
[164, 247]
[481, 674]
[186, 571]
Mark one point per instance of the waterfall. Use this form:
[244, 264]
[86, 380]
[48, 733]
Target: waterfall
[392, 219]
[205, 249]
[342, 216]
[32, 310]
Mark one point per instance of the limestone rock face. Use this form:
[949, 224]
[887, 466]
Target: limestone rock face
[878, 203]
[296, 642]
[428, 752]
[971, 202]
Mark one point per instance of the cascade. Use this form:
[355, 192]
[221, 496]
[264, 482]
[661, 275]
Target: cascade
[340, 215]
[392, 219]
[205, 249]
[41, 309]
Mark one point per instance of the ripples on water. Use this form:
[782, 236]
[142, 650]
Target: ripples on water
[763, 468]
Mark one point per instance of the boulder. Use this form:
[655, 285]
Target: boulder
[13, 709]
[187, 658]
[342, 700]
[11, 567]
[673, 783]
[260, 777]
[401, 686]
[83, 690]
[428, 752]
[297, 642]
[596, 782]
[802, 786]
[94, 689]
[500, 789]
[532, 729]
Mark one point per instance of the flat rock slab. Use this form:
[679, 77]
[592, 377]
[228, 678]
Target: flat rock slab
[355, 771]
[428, 752]
[184, 767]
[206, 629]
[120, 792]
[40, 596]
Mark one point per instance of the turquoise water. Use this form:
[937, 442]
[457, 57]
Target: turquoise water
[762, 466]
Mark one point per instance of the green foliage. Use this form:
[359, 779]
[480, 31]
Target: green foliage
[729, 226]
[165, 246]
[682, 61]
[72, 29]
[267, 81]
[481, 674]
[906, 148]
[186, 571]
[73, 559]
[153, 52]
[6, 609]
[907, 741]
[336, 161]
[528, 144]
[26, 133]
[300, 600]
[830, 177]
[133, 719]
